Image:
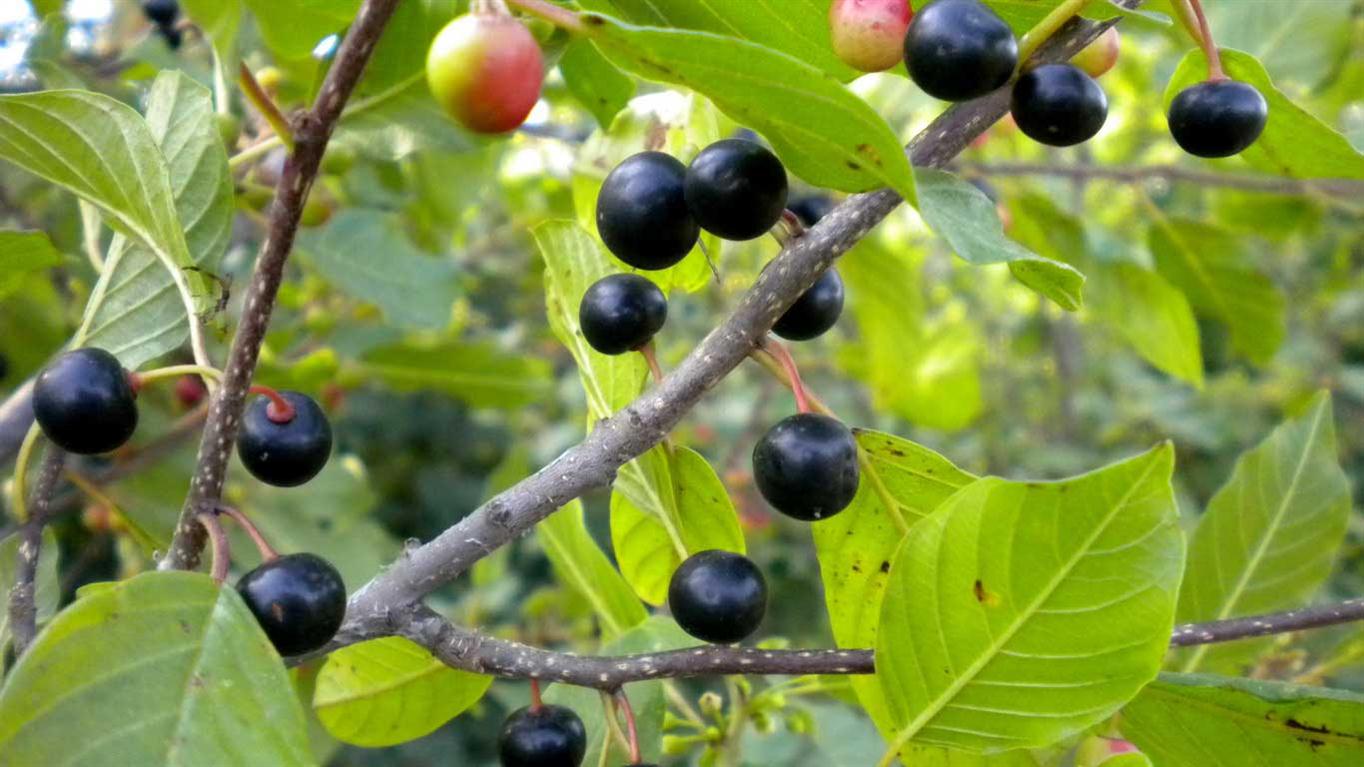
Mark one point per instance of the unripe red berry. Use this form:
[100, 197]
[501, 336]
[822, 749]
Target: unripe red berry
[190, 390]
[1101, 55]
[869, 35]
[486, 71]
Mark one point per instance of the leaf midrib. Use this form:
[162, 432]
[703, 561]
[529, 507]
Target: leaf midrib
[932, 711]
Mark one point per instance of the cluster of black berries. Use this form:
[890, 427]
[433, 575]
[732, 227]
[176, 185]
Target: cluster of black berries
[958, 50]
[164, 14]
[85, 402]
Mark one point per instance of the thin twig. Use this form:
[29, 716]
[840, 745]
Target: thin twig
[23, 610]
[311, 131]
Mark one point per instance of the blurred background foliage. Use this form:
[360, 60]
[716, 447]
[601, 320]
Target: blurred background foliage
[414, 308]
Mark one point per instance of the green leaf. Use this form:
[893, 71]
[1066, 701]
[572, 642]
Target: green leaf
[902, 483]
[1220, 722]
[1019, 613]
[926, 371]
[159, 670]
[292, 30]
[103, 152]
[1276, 38]
[134, 310]
[1294, 142]
[1212, 268]
[581, 565]
[595, 82]
[1270, 535]
[478, 374]
[22, 254]
[822, 132]
[573, 261]
[46, 590]
[365, 253]
[962, 214]
[389, 691]
[220, 21]
[664, 506]
[647, 699]
[796, 27]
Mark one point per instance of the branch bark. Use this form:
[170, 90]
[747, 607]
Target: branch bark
[23, 611]
[312, 130]
[1174, 174]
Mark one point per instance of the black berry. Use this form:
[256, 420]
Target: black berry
[548, 736]
[815, 311]
[161, 12]
[642, 212]
[621, 313]
[84, 402]
[1218, 119]
[4, 366]
[958, 50]
[172, 35]
[288, 453]
[736, 189]
[811, 208]
[1059, 105]
[298, 599]
[806, 466]
[718, 596]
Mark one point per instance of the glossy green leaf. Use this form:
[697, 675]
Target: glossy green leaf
[292, 30]
[1270, 535]
[134, 311]
[647, 699]
[597, 84]
[962, 214]
[23, 254]
[46, 591]
[902, 483]
[1212, 269]
[664, 506]
[822, 132]
[1276, 38]
[159, 670]
[573, 261]
[580, 564]
[796, 27]
[366, 254]
[104, 152]
[1294, 142]
[1019, 613]
[389, 691]
[1222, 722]
[479, 374]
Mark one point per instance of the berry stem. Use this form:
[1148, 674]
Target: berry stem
[265, 106]
[559, 17]
[630, 728]
[279, 410]
[1048, 26]
[794, 226]
[174, 371]
[779, 352]
[705, 251]
[1215, 71]
[536, 702]
[267, 552]
[651, 357]
[222, 548]
[19, 487]
[608, 704]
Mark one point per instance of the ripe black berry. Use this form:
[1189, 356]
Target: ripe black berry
[736, 189]
[161, 12]
[84, 402]
[958, 50]
[298, 599]
[815, 311]
[621, 313]
[642, 212]
[811, 208]
[1218, 119]
[1058, 105]
[548, 736]
[718, 596]
[806, 466]
[287, 453]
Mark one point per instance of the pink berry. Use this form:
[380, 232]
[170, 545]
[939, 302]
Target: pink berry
[869, 35]
[1101, 55]
[485, 70]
